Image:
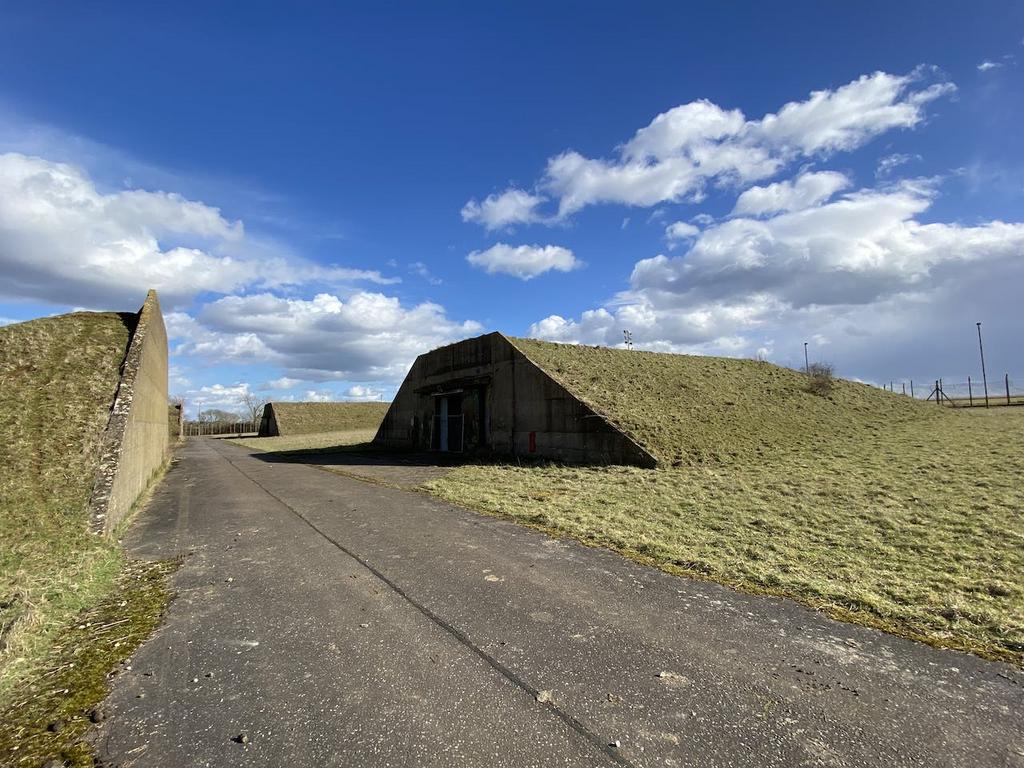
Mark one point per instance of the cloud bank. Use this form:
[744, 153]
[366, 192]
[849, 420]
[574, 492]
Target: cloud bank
[63, 240]
[681, 151]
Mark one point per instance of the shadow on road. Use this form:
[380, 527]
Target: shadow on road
[396, 468]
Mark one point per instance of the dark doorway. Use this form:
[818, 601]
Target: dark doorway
[448, 423]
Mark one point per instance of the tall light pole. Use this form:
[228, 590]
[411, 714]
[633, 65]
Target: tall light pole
[984, 378]
[807, 365]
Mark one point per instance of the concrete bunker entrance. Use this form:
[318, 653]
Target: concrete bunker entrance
[460, 420]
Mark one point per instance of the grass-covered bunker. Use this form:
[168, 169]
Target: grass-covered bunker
[486, 395]
[310, 418]
[599, 405]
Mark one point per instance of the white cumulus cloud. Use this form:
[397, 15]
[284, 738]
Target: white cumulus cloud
[511, 207]
[524, 261]
[684, 149]
[860, 271]
[365, 337]
[63, 240]
[284, 382]
[804, 191]
[361, 392]
[679, 231]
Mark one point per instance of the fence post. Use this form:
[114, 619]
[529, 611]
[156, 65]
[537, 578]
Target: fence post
[1006, 378]
[970, 393]
[938, 393]
[904, 389]
[911, 389]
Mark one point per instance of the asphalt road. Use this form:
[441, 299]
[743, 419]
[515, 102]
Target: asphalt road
[338, 622]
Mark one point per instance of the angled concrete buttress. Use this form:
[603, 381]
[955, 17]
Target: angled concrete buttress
[483, 395]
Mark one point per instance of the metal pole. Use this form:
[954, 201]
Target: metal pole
[807, 365]
[904, 389]
[1007, 379]
[970, 392]
[911, 389]
[984, 378]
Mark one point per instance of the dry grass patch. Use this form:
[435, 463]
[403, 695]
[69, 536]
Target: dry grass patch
[914, 525]
[48, 716]
[307, 442]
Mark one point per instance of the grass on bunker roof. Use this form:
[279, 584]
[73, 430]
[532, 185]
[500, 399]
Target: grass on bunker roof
[311, 418]
[867, 505]
[58, 376]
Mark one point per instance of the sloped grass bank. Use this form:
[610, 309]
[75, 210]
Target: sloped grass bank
[707, 411]
[310, 418]
[59, 376]
[914, 525]
[58, 581]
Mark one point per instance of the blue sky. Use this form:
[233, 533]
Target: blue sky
[320, 192]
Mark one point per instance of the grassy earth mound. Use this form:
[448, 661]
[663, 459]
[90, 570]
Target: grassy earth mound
[59, 583]
[59, 376]
[694, 410]
[311, 418]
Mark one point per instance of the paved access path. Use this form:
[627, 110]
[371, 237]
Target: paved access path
[338, 622]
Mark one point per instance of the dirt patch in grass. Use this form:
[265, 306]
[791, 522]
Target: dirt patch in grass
[319, 441]
[912, 523]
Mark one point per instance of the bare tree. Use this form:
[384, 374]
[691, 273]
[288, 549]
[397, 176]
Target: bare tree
[253, 406]
[217, 416]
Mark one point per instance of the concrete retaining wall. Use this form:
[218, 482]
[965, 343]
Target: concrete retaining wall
[136, 439]
[510, 405]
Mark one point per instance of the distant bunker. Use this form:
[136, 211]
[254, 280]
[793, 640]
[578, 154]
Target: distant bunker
[484, 395]
[309, 418]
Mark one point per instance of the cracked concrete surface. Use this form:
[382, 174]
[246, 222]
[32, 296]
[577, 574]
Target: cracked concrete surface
[337, 622]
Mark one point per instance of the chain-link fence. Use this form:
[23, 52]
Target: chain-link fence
[967, 393]
[200, 428]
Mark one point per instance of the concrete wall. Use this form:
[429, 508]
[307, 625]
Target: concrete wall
[525, 411]
[136, 439]
[268, 422]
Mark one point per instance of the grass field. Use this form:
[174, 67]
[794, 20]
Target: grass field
[309, 442]
[867, 505]
[58, 376]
